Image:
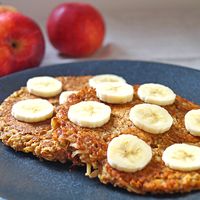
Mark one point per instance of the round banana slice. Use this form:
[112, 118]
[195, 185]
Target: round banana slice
[151, 118]
[128, 153]
[105, 78]
[89, 114]
[116, 93]
[32, 110]
[156, 94]
[44, 86]
[192, 122]
[64, 96]
[183, 157]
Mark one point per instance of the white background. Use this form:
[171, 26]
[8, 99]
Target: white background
[156, 30]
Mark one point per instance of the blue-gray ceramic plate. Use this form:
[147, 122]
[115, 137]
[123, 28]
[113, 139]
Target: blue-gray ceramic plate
[24, 177]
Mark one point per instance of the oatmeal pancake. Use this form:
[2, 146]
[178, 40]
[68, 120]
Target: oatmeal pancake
[59, 139]
[89, 145]
[34, 137]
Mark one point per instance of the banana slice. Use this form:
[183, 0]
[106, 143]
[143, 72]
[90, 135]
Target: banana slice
[89, 114]
[32, 110]
[105, 78]
[183, 157]
[64, 96]
[116, 93]
[151, 118]
[128, 153]
[156, 94]
[44, 86]
[192, 122]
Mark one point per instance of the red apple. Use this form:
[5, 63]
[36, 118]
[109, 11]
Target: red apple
[21, 43]
[76, 29]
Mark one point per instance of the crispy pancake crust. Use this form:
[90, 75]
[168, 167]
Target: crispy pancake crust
[34, 137]
[90, 145]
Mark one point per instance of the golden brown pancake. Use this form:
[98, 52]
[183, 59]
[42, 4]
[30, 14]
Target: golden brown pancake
[90, 146]
[34, 137]
[66, 140]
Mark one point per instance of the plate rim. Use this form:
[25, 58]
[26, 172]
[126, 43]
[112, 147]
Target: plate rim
[94, 61]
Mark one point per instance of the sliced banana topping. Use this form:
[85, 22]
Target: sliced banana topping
[32, 110]
[156, 94]
[151, 118]
[44, 86]
[105, 78]
[116, 93]
[89, 114]
[64, 96]
[183, 157]
[128, 153]
[192, 122]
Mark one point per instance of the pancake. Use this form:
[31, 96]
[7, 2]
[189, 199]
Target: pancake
[59, 139]
[89, 146]
[34, 137]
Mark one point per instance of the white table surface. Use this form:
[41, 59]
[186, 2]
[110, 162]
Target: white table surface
[153, 30]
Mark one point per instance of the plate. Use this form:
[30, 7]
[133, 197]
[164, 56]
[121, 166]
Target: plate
[22, 176]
